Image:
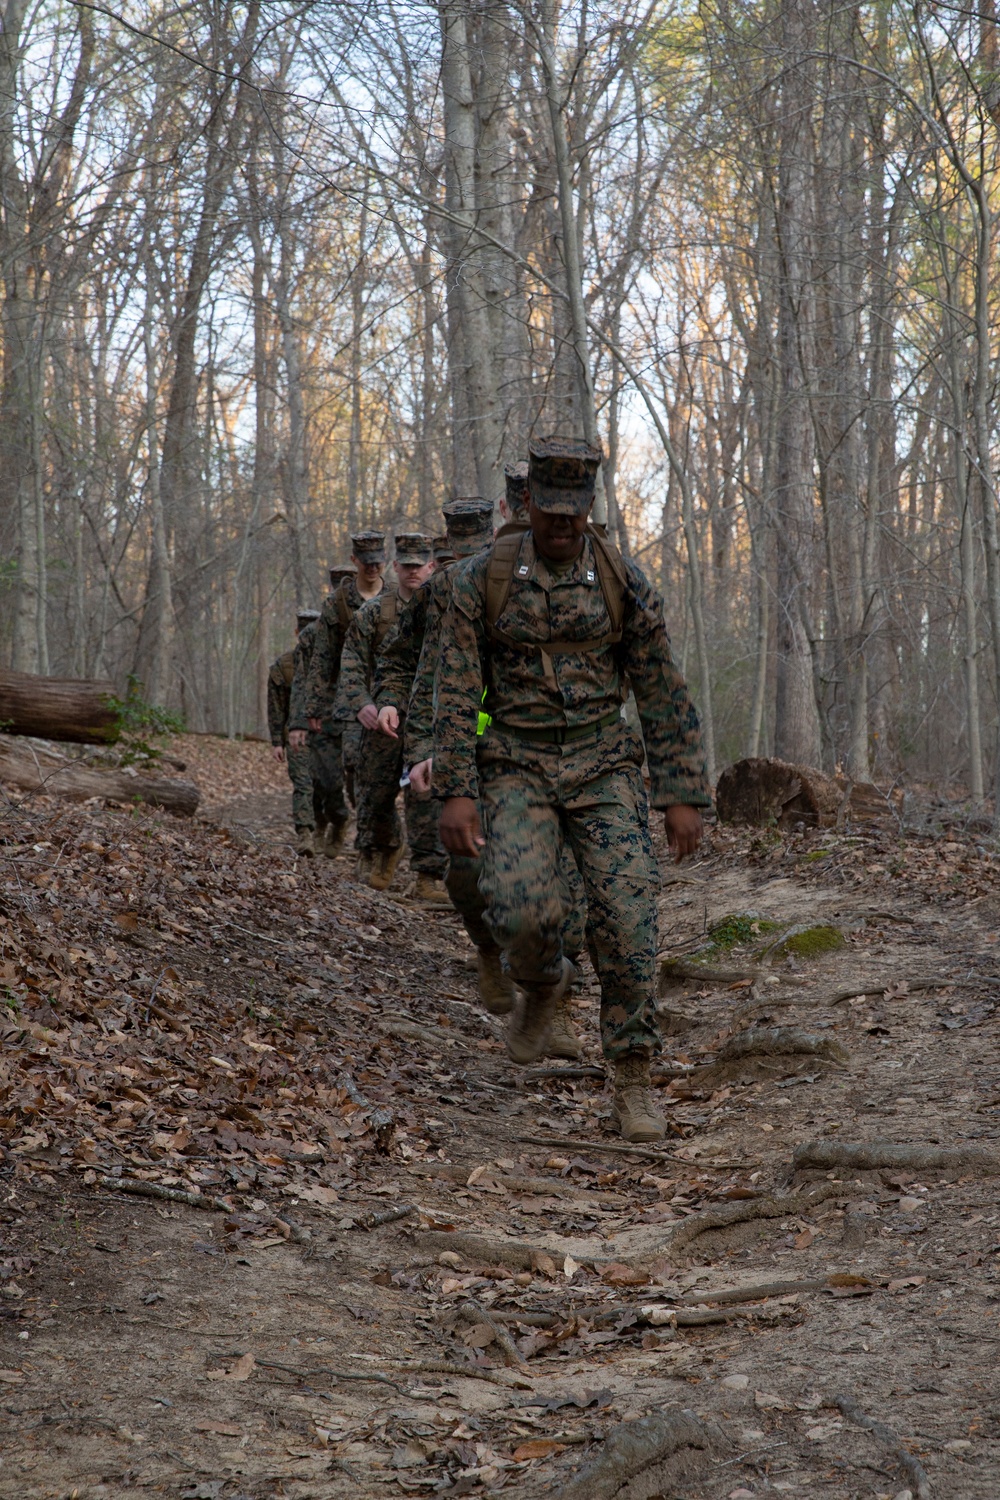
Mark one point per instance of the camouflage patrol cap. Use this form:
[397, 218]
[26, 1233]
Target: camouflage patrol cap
[305, 617]
[369, 546]
[516, 480]
[562, 475]
[442, 549]
[412, 547]
[469, 520]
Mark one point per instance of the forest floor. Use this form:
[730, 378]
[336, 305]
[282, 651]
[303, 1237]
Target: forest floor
[407, 1266]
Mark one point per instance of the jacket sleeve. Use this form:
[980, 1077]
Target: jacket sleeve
[669, 719]
[355, 666]
[277, 705]
[458, 691]
[321, 682]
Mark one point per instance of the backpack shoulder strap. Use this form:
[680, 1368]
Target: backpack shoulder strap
[286, 666]
[611, 576]
[388, 613]
[500, 569]
[345, 613]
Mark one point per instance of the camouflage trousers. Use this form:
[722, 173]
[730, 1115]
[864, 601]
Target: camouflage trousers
[590, 795]
[464, 885]
[380, 765]
[351, 733]
[308, 810]
[327, 749]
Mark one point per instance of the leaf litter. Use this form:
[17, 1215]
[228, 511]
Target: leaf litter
[189, 1010]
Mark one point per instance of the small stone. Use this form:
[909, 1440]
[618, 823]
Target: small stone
[752, 1434]
[449, 1258]
[958, 1445]
[910, 1205]
[735, 1382]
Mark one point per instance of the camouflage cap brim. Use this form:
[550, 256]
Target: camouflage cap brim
[562, 476]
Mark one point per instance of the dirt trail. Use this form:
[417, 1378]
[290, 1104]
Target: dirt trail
[241, 1038]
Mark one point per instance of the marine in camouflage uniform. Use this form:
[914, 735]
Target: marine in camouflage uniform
[308, 811]
[336, 740]
[404, 684]
[558, 760]
[380, 765]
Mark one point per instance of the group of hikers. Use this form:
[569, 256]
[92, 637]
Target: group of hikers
[489, 683]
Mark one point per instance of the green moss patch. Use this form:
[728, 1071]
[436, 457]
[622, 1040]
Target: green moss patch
[812, 943]
[739, 930]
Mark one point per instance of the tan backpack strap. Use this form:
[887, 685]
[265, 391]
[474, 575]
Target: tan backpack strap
[500, 569]
[345, 613]
[286, 665]
[612, 577]
[388, 613]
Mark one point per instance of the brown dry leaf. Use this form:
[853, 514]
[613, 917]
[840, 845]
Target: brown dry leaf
[479, 1336]
[127, 921]
[240, 1369]
[570, 1267]
[770, 1401]
[537, 1448]
[223, 1429]
[619, 1274]
[805, 1239]
[11, 1377]
[543, 1263]
[904, 1282]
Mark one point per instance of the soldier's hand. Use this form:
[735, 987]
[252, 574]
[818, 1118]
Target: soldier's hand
[315, 725]
[278, 751]
[684, 829]
[388, 722]
[420, 776]
[461, 832]
[368, 717]
[297, 739]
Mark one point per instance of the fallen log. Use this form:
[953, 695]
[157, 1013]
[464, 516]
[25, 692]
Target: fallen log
[874, 1156]
[760, 790]
[36, 770]
[58, 708]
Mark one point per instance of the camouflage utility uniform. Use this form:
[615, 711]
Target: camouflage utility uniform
[381, 759]
[330, 788]
[559, 761]
[335, 746]
[307, 802]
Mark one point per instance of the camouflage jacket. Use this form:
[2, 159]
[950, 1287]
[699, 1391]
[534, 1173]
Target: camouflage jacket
[301, 659]
[528, 689]
[372, 626]
[408, 662]
[339, 609]
[279, 695]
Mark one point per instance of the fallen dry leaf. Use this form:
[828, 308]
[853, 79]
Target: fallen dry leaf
[904, 1282]
[537, 1448]
[240, 1369]
[223, 1429]
[11, 1377]
[570, 1268]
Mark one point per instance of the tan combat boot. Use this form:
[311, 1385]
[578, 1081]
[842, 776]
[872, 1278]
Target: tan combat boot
[496, 988]
[384, 868]
[363, 865]
[633, 1112]
[563, 1040]
[428, 888]
[304, 842]
[531, 1017]
[334, 838]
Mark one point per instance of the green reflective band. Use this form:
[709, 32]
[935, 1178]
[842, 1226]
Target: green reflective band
[484, 720]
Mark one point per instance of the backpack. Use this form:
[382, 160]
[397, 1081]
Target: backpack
[345, 613]
[611, 576]
[286, 666]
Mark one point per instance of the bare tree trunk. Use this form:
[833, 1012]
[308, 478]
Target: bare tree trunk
[796, 735]
[461, 145]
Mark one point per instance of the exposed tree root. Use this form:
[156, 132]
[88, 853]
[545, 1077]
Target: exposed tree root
[770, 1041]
[474, 1312]
[461, 1372]
[872, 1156]
[912, 1468]
[536, 1186]
[477, 1248]
[614, 1149]
[633, 1447]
